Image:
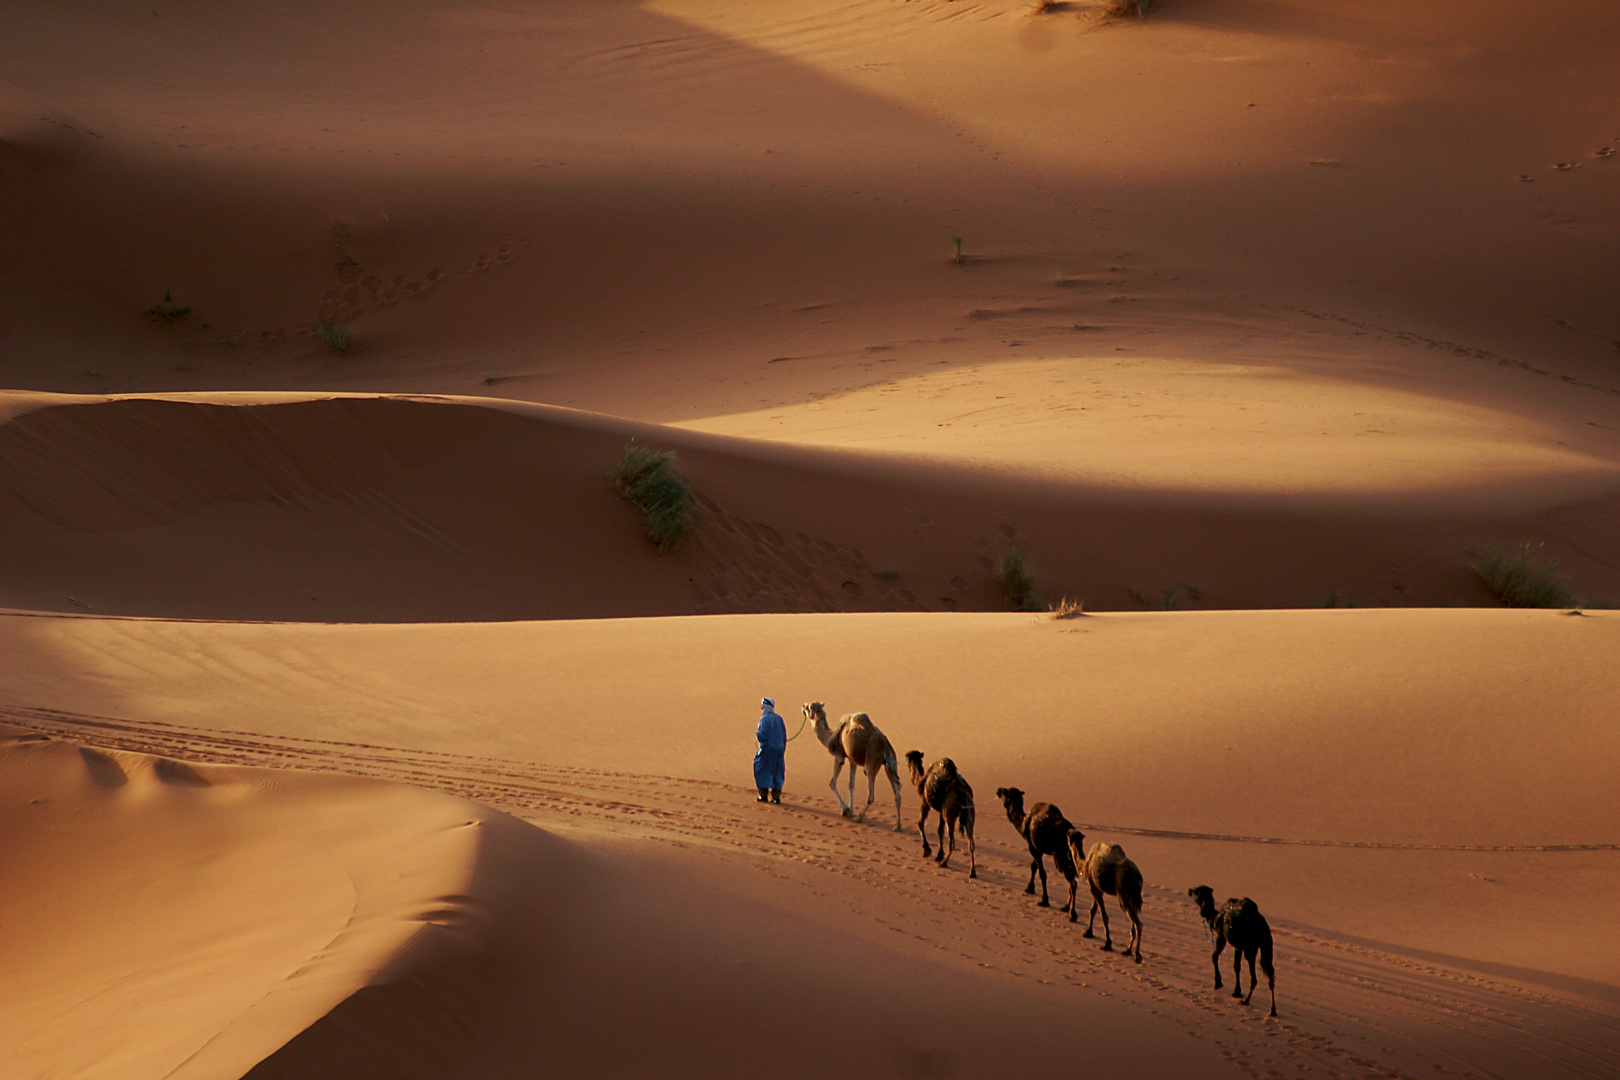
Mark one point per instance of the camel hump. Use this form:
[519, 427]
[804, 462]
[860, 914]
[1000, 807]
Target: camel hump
[947, 766]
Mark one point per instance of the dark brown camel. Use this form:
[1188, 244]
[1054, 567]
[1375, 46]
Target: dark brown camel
[944, 789]
[1046, 831]
[1108, 872]
[1240, 922]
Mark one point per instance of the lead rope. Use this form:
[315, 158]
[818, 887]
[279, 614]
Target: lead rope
[802, 721]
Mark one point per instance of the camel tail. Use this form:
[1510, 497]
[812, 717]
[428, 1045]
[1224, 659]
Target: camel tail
[1265, 957]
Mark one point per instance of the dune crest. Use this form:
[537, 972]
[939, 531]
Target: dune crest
[391, 508]
[165, 919]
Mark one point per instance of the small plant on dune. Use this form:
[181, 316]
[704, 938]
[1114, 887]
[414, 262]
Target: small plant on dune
[1068, 608]
[1170, 598]
[956, 244]
[647, 480]
[1017, 583]
[335, 334]
[1520, 579]
[1139, 8]
[888, 575]
[168, 313]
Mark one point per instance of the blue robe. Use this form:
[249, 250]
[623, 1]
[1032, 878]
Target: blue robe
[770, 760]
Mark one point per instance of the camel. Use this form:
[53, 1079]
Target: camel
[1046, 831]
[1240, 922]
[858, 741]
[944, 789]
[1109, 872]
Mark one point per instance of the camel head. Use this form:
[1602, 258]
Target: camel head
[1204, 897]
[815, 713]
[914, 759]
[1013, 800]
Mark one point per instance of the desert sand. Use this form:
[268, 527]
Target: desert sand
[353, 727]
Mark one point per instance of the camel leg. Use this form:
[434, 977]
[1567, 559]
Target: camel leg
[1271, 984]
[1074, 905]
[1040, 865]
[922, 827]
[1253, 982]
[1215, 957]
[1098, 905]
[1096, 899]
[869, 781]
[944, 857]
[973, 862]
[1237, 971]
[1135, 915]
[894, 782]
[838, 767]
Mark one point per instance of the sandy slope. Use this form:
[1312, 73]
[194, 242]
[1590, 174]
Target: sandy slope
[163, 919]
[367, 508]
[1287, 300]
[1214, 723]
[1463, 924]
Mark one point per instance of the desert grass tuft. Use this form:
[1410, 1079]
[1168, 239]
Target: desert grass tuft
[1068, 608]
[168, 312]
[1017, 583]
[647, 479]
[956, 244]
[1521, 579]
[1139, 8]
[335, 334]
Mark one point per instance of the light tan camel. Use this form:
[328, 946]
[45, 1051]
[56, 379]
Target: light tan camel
[858, 741]
[944, 789]
[1109, 872]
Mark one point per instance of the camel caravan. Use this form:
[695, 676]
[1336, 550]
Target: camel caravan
[1106, 869]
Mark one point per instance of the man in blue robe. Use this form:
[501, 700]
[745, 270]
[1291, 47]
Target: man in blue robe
[770, 759]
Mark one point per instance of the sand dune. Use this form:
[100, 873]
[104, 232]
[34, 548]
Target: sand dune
[168, 919]
[1419, 922]
[367, 508]
[1210, 724]
[1258, 304]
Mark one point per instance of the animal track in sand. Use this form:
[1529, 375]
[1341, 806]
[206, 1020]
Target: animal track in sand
[1349, 1010]
[750, 566]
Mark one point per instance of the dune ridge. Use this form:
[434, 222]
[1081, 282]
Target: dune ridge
[169, 919]
[401, 508]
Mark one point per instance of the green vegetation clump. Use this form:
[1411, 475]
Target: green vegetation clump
[1520, 579]
[1017, 583]
[334, 333]
[1170, 598]
[647, 479]
[168, 313]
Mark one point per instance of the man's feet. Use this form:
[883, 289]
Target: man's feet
[762, 796]
[776, 796]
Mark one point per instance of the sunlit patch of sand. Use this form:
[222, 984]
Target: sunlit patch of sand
[1162, 422]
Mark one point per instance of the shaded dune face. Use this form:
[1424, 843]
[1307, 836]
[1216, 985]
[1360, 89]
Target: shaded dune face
[367, 508]
[161, 918]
